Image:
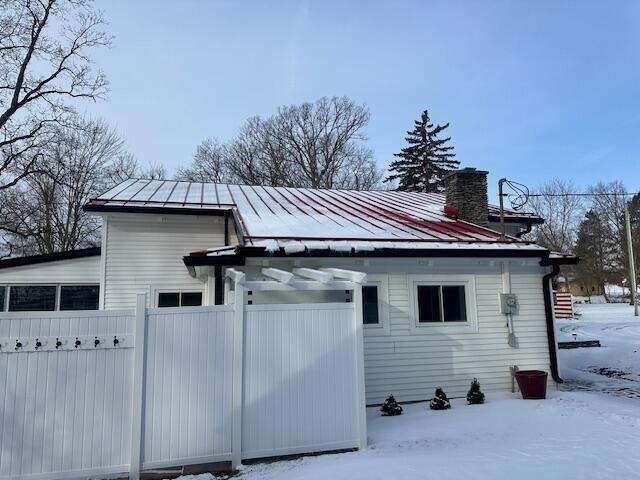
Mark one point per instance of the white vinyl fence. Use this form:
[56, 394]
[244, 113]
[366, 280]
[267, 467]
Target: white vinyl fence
[83, 394]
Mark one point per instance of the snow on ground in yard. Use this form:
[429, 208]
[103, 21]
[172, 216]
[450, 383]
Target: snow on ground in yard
[587, 431]
[615, 367]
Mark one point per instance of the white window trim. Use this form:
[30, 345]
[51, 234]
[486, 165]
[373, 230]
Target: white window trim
[426, 328]
[156, 290]
[382, 327]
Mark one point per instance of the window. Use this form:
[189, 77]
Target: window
[375, 304]
[428, 303]
[179, 299]
[79, 297]
[370, 311]
[454, 307]
[26, 298]
[3, 295]
[441, 303]
[190, 299]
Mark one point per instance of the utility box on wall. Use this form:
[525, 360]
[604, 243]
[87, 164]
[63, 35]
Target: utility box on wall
[508, 303]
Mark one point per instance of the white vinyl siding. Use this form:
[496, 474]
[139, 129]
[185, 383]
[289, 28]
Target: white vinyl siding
[411, 366]
[144, 252]
[74, 271]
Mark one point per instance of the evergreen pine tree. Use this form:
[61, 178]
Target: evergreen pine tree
[440, 400]
[474, 395]
[422, 164]
[390, 407]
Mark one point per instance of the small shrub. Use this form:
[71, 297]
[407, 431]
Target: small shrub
[474, 395]
[440, 401]
[390, 407]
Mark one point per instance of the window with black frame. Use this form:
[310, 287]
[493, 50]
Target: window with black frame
[3, 296]
[32, 298]
[79, 297]
[370, 310]
[179, 299]
[441, 303]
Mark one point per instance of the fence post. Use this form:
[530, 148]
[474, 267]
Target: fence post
[140, 332]
[238, 374]
[360, 394]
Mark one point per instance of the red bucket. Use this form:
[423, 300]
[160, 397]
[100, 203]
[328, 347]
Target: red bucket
[533, 384]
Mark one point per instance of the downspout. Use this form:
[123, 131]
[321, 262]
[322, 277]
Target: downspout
[551, 334]
[217, 270]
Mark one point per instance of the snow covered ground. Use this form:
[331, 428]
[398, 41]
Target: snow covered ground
[588, 431]
[615, 367]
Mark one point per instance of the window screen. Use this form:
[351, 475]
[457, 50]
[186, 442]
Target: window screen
[370, 314]
[428, 303]
[79, 297]
[32, 298]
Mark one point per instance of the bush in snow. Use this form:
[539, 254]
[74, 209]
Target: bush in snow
[474, 395]
[440, 401]
[390, 407]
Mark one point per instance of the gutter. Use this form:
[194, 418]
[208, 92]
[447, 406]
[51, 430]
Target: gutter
[244, 252]
[154, 210]
[525, 231]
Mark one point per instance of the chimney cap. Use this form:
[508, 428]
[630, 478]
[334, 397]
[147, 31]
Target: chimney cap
[467, 171]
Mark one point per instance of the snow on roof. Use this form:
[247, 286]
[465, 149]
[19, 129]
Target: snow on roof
[302, 218]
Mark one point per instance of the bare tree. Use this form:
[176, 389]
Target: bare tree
[608, 203]
[562, 213]
[209, 163]
[154, 171]
[324, 140]
[316, 145]
[257, 156]
[44, 68]
[43, 213]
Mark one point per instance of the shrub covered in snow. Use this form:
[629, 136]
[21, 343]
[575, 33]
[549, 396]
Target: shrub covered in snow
[474, 395]
[390, 407]
[440, 401]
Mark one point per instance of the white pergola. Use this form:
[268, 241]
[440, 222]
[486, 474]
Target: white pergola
[300, 279]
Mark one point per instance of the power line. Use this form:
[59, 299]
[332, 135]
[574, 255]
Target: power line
[599, 194]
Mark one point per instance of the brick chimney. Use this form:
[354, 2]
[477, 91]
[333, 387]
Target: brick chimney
[466, 190]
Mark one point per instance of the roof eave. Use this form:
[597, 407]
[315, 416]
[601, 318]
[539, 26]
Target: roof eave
[49, 257]
[214, 212]
[242, 253]
[510, 219]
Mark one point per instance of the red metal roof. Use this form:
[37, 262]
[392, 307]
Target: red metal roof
[285, 215]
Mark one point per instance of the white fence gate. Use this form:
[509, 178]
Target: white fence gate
[300, 384]
[83, 394]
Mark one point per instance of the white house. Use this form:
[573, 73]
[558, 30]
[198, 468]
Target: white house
[436, 268]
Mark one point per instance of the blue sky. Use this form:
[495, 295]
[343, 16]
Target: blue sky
[532, 89]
